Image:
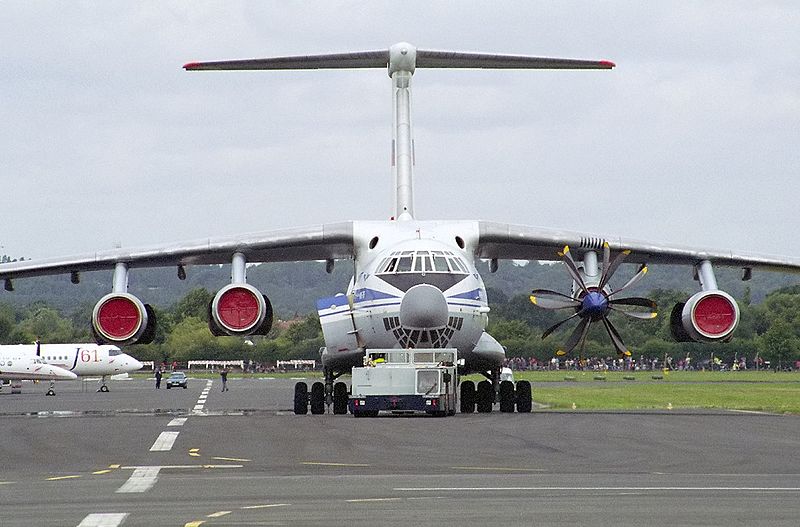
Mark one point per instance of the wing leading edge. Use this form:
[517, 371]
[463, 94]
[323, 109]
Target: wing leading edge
[319, 242]
[505, 241]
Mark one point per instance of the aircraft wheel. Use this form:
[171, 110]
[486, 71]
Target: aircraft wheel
[524, 397]
[340, 398]
[485, 397]
[507, 396]
[104, 388]
[467, 399]
[50, 392]
[317, 398]
[300, 398]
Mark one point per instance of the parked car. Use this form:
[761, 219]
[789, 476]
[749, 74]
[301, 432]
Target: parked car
[177, 378]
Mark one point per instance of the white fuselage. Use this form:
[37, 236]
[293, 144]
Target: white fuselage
[81, 359]
[17, 365]
[379, 312]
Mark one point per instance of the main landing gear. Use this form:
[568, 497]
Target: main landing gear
[103, 386]
[490, 391]
[51, 390]
[322, 395]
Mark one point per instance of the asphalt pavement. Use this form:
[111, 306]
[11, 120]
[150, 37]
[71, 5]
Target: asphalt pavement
[140, 456]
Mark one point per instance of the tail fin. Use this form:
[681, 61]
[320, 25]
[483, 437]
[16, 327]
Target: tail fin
[401, 60]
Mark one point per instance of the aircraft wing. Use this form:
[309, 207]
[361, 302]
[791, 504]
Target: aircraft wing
[505, 241]
[319, 242]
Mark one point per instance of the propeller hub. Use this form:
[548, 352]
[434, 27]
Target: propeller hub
[594, 304]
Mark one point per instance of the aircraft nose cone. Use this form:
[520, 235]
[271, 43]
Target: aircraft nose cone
[133, 364]
[423, 307]
[60, 374]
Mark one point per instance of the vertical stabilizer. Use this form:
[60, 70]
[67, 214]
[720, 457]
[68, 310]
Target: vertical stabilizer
[402, 59]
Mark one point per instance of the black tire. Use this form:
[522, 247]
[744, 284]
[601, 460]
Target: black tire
[300, 398]
[339, 398]
[467, 398]
[485, 397]
[507, 398]
[524, 397]
[317, 398]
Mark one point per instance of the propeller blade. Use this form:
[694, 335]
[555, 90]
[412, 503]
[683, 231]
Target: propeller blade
[558, 325]
[615, 338]
[634, 301]
[572, 268]
[606, 259]
[609, 272]
[547, 299]
[638, 276]
[578, 335]
[643, 315]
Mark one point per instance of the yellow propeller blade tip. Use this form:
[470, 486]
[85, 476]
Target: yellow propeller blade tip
[627, 251]
[566, 249]
[560, 353]
[533, 299]
[605, 244]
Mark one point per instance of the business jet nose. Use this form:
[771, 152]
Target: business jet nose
[60, 374]
[132, 364]
[423, 307]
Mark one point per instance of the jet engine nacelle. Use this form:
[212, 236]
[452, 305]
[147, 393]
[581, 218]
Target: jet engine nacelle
[238, 310]
[121, 318]
[708, 316]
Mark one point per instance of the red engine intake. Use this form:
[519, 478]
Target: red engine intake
[240, 309]
[708, 316]
[121, 318]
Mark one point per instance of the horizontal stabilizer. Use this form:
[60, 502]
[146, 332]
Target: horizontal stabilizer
[363, 59]
[455, 59]
[381, 59]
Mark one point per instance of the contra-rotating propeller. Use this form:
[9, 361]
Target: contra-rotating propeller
[593, 303]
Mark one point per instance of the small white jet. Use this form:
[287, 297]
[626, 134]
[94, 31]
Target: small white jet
[81, 360]
[19, 365]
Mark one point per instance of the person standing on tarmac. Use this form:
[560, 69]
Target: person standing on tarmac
[224, 376]
[158, 379]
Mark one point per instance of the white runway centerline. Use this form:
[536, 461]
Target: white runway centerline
[178, 421]
[142, 480]
[103, 519]
[164, 442]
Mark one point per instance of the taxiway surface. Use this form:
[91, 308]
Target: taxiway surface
[140, 456]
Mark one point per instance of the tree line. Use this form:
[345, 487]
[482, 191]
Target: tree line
[770, 328]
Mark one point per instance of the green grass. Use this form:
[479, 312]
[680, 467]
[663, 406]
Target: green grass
[750, 390]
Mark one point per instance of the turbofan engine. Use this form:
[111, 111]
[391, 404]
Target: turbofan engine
[708, 316]
[239, 309]
[121, 318]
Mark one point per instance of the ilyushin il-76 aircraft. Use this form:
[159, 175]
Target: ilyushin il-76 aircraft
[415, 283]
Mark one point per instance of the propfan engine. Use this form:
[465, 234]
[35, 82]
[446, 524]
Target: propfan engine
[593, 299]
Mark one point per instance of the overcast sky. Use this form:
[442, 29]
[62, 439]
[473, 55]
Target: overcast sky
[693, 139]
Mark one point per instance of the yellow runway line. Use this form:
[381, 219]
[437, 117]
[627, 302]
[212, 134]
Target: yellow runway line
[58, 478]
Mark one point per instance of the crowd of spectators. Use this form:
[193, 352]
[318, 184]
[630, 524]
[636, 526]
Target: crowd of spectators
[634, 364]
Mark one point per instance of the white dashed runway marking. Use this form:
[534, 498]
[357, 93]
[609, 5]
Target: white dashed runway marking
[142, 480]
[103, 519]
[164, 442]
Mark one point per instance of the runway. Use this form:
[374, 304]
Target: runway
[139, 456]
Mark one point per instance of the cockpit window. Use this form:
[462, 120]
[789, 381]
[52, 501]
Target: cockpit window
[113, 352]
[423, 262]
